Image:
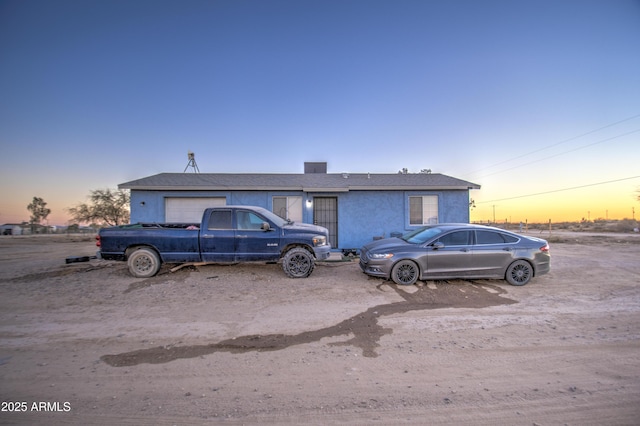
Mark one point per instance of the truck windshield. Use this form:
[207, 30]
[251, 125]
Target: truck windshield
[274, 218]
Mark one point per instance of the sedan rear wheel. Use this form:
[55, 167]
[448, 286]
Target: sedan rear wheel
[519, 272]
[405, 272]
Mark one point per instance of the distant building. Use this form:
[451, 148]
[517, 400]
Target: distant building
[11, 229]
[355, 207]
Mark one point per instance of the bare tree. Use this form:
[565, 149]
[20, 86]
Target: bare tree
[106, 207]
[39, 212]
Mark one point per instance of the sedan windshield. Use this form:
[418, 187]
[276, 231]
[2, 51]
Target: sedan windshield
[421, 235]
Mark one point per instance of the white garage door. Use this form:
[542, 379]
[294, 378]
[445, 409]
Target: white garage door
[189, 210]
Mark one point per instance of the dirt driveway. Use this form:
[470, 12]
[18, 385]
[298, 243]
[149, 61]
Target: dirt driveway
[86, 343]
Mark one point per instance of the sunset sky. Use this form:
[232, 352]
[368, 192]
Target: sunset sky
[537, 101]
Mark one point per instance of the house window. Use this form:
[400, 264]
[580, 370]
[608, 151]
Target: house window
[288, 208]
[423, 210]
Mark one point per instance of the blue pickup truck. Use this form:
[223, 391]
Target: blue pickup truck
[226, 234]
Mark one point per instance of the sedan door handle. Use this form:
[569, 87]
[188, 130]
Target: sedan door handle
[506, 249]
[464, 250]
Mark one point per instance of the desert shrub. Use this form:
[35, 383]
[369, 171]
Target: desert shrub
[626, 225]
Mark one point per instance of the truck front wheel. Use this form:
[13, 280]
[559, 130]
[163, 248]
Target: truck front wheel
[143, 262]
[298, 263]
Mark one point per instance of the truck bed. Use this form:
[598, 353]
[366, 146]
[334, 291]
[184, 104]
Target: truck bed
[162, 225]
[175, 242]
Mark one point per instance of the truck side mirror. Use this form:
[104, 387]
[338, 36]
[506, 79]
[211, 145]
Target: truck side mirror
[265, 226]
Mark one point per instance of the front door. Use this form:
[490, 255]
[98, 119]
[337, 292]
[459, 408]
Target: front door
[325, 213]
[453, 257]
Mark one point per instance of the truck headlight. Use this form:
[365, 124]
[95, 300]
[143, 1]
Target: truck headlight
[319, 240]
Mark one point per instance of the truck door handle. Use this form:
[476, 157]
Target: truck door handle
[464, 250]
[506, 249]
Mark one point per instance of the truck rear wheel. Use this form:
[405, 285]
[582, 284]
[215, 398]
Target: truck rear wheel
[143, 262]
[298, 263]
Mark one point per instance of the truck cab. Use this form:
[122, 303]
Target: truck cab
[225, 234]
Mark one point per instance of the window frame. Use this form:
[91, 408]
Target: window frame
[293, 207]
[432, 204]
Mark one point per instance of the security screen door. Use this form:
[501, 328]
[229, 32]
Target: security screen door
[325, 213]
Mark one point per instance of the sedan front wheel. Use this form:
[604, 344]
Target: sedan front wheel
[405, 272]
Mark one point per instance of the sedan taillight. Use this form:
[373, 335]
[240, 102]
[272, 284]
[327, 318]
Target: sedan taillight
[545, 248]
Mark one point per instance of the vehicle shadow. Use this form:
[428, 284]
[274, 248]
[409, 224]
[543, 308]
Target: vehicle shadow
[364, 329]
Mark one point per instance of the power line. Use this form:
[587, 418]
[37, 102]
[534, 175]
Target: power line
[559, 190]
[556, 144]
[564, 152]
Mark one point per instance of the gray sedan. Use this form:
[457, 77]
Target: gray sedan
[456, 251]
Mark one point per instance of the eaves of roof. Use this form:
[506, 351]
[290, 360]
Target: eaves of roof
[320, 182]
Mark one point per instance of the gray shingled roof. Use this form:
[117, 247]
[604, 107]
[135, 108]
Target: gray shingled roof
[315, 182]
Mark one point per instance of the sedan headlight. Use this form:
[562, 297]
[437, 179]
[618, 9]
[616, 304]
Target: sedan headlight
[319, 240]
[380, 255]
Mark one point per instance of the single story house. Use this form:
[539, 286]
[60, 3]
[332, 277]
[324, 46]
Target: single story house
[12, 229]
[354, 207]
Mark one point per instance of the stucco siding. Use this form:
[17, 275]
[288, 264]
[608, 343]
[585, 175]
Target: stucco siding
[362, 215]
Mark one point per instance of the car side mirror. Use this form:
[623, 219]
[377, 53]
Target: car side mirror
[438, 245]
[265, 226]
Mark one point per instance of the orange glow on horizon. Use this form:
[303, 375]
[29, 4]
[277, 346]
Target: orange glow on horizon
[570, 206]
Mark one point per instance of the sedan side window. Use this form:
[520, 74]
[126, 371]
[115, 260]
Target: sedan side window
[510, 238]
[489, 237]
[458, 238]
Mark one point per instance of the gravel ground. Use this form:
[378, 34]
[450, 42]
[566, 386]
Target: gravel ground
[86, 343]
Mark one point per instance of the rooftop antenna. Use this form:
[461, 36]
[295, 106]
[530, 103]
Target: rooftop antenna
[192, 163]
